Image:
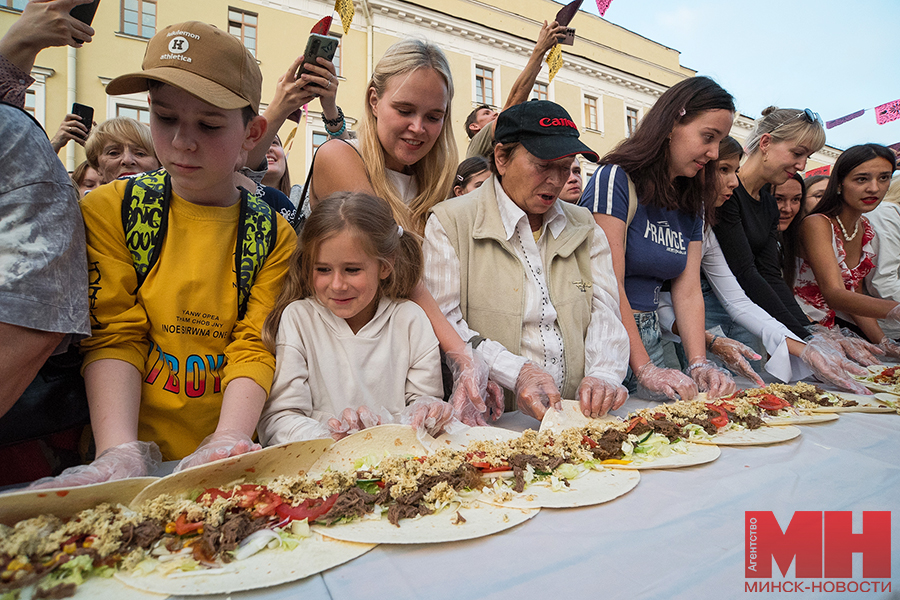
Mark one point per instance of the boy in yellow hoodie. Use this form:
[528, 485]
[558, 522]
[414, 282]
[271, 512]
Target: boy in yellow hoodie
[176, 356]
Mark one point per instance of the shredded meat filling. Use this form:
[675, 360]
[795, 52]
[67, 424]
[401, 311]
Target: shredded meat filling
[352, 503]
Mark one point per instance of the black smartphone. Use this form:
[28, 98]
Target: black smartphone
[86, 113]
[316, 46]
[85, 13]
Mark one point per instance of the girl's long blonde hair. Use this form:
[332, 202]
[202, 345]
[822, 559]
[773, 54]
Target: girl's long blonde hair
[372, 220]
[434, 173]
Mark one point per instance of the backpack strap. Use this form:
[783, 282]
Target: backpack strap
[145, 219]
[257, 232]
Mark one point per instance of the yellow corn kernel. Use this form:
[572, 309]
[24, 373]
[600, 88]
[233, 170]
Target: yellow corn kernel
[87, 543]
[69, 548]
[170, 527]
[18, 565]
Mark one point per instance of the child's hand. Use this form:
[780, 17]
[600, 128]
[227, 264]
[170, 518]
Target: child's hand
[221, 444]
[352, 421]
[428, 414]
[131, 459]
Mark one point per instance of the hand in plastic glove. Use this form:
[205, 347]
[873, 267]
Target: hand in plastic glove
[429, 414]
[474, 395]
[352, 421]
[535, 391]
[831, 366]
[597, 397]
[735, 354]
[711, 379]
[131, 459]
[667, 382]
[218, 445]
[894, 315]
[850, 345]
[890, 347]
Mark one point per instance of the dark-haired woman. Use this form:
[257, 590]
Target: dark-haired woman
[836, 251]
[470, 174]
[670, 159]
[730, 312]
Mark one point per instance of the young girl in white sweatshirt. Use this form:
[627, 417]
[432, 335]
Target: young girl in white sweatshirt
[347, 341]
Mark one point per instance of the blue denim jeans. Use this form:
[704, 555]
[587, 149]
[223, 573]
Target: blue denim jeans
[716, 315]
[648, 326]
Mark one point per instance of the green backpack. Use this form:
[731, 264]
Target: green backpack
[145, 217]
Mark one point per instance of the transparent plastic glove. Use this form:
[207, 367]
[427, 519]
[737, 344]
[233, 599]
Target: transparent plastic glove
[428, 414]
[890, 347]
[131, 459]
[535, 391]
[850, 345]
[218, 445]
[597, 396]
[831, 366]
[711, 379]
[894, 315]
[355, 420]
[667, 382]
[475, 398]
[735, 354]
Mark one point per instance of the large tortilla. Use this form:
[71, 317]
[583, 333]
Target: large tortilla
[593, 487]
[886, 400]
[697, 454]
[264, 569]
[752, 437]
[65, 502]
[569, 416]
[481, 519]
[801, 419]
[292, 458]
[460, 439]
[382, 440]
[101, 588]
[877, 387]
[866, 404]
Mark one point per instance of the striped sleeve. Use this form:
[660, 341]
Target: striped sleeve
[607, 192]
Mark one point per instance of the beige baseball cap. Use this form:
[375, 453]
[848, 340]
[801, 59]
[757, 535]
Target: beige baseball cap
[202, 60]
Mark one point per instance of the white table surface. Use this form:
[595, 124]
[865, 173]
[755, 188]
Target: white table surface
[678, 534]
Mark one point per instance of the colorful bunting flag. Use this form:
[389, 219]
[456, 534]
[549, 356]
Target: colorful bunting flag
[554, 60]
[887, 112]
[825, 170]
[602, 5]
[346, 9]
[844, 119]
[895, 147]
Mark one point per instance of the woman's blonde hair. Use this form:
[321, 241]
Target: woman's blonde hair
[433, 174]
[372, 221]
[787, 124]
[118, 129]
[893, 193]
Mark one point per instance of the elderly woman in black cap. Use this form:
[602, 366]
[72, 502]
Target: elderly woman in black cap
[529, 278]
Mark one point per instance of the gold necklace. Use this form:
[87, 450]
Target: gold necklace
[849, 238]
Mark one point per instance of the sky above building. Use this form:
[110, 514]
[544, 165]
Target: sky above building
[832, 56]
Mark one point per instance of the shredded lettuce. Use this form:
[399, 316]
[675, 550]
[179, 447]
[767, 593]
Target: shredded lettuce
[567, 471]
[189, 565]
[369, 486]
[367, 463]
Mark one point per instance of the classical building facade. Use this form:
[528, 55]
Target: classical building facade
[610, 78]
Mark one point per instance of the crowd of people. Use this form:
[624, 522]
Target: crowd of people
[218, 306]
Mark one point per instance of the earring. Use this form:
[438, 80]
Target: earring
[765, 157]
[840, 189]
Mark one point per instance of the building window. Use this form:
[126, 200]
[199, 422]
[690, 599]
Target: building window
[484, 86]
[539, 91]
[31, 103]
[590, 113]
[139, 17]
[14, 4]
[318, 138]
[631, 120]
[242, 25]
[337, 56]
[138, 113]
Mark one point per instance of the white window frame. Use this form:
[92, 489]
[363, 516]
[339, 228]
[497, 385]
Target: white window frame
[39, 87]
[640, 115]
[498, 97]
[598, 98]
[136, 100]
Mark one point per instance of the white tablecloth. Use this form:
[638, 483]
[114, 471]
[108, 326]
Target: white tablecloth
[678, 534]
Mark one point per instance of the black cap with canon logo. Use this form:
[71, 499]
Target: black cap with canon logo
[544, 128]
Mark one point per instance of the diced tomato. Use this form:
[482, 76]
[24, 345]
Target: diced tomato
[210, 495]
[771, 402]
[247, 495]
[308, 509]
[486, 467]
[266, 503]
[722, 419]
[889, 372]
[659, 415]
[586, 440]
[634, 423]
[380, 484]
[182, 527]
